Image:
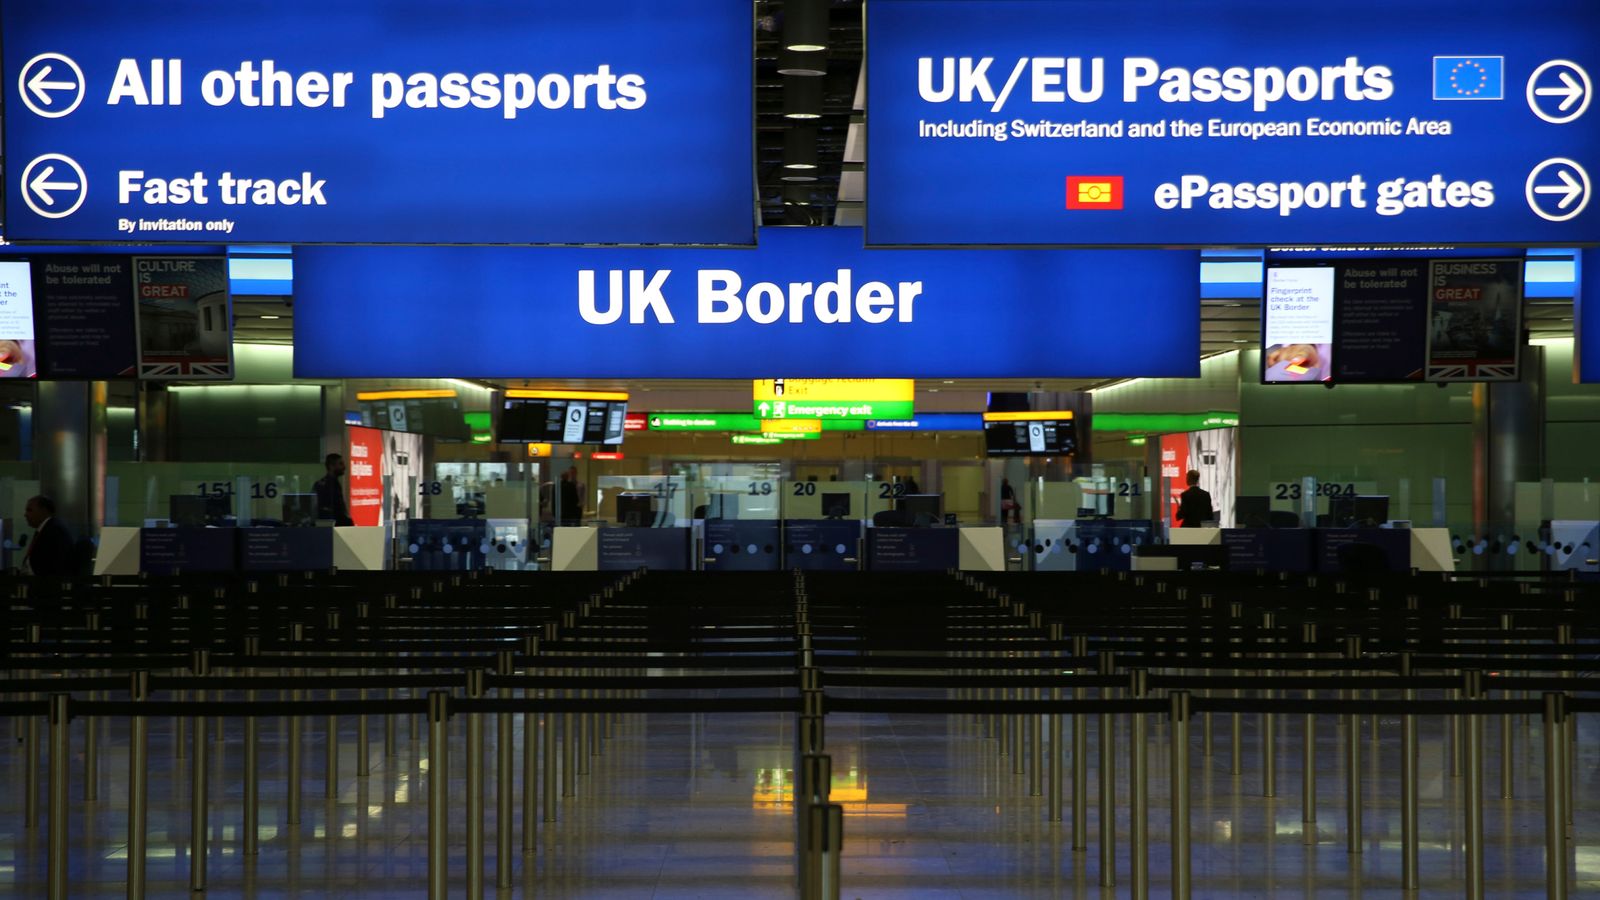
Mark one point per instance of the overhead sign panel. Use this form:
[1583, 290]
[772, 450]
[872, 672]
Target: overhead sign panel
[834, 398]
[810, 301]
[1244, 122]
[484, 121]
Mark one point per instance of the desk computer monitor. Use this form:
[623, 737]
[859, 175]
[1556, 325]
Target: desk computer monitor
[299, 509]
[1253, 512]
[835, 506]
[636, 510]
[922, 509]
[193, 509]
[1370, 512]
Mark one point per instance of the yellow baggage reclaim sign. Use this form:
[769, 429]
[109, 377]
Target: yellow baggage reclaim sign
[834, 398]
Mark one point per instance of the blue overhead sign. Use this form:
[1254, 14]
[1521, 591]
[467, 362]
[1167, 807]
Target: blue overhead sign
[930, 422]
[808, 302]
[370, 121]
[1232, 122]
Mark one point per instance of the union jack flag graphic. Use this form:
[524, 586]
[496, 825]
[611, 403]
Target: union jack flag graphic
[1474, 372]
[185, 369]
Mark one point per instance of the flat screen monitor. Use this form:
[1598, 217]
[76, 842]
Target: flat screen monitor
[1253, 512]
[17, 347]
[636, 509]
[193, 509]
[1370, 511]
[922, 509]
[299, 509]
[836, 506]
[547, 421]
[1297, 325]
[1033, 437]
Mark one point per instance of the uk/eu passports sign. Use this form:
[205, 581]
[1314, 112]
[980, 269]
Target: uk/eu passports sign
[1231, 122]
[372, 121]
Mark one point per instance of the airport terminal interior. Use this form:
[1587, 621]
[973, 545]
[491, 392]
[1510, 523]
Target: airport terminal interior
[589, 450]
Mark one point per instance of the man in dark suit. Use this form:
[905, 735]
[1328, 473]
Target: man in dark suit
[1194, 504]
[50, 550]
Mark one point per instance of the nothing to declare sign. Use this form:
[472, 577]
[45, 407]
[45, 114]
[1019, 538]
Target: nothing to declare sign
[1240, 122]
[372, 121]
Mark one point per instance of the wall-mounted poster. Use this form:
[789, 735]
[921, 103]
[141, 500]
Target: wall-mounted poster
[1474, 319]
[17, 354]
[1212, 453]
[185, 323]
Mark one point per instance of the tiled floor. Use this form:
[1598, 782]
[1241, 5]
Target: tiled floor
[698, 806]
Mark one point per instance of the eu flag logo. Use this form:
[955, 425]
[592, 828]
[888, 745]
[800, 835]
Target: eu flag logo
[1469, 77]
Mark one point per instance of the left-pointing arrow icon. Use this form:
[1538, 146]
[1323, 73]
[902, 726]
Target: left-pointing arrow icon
[42, 87]
[54, 186]
[51, 85]
[43, 186]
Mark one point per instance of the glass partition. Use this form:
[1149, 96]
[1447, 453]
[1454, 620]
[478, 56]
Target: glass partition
[210, 493]
[643, 501]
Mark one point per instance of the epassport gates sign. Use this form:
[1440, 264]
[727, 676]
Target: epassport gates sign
[372, 121]
[1206, 122]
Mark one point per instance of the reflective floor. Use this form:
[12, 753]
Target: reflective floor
[698, 806]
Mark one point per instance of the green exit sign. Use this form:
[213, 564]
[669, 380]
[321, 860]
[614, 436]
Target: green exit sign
[834, 409]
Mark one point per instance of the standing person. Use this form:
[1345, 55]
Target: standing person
[50, 550]
[1194, 504]
[1008, 503]
[570, 502]
[330, 493]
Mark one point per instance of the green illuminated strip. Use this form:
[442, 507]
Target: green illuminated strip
[703, 421]
[1150, 423]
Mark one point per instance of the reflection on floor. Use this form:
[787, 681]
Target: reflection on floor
[698, 806]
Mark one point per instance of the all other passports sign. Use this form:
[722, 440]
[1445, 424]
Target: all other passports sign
[1109, 122]
[808, 302]
[373, 121]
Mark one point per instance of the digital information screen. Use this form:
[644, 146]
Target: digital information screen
[435, 416]
[17, 358]
[1029, 437]
[1297, 334]
[558, 421]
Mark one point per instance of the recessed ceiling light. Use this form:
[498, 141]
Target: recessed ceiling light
[271, 317]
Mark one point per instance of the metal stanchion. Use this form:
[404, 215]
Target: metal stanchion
[439, 796]
[1555, 797]
[363, 765]
[1139, 788]
[252, 765]
[568, 775]
[475, 687]
[200, 665]
[505, 665]
[548, 739]
[825, 842]
[388, 728]
[1080, 759]
[91, 755]
[1035, 751]
[1473, 756]
[138, 787]
[1055, 759]
[1352, 759]
[1408, 787]
[30, 772]
[60, 738]
[1179, 718]
[1108, 787]
[813, 778]
[1269, 732]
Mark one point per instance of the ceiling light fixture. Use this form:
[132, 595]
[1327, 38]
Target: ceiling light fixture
[800, 148]
[802, 98]
[805, 25]
[808, 65]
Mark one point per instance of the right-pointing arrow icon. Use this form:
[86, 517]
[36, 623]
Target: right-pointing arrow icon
[1570, 89]
[1569, 186]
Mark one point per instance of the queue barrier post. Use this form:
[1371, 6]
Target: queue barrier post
[60, 740]
[1555, 797]
[439, 796]
[1180, 716]
[475, 690]
[138, 787]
